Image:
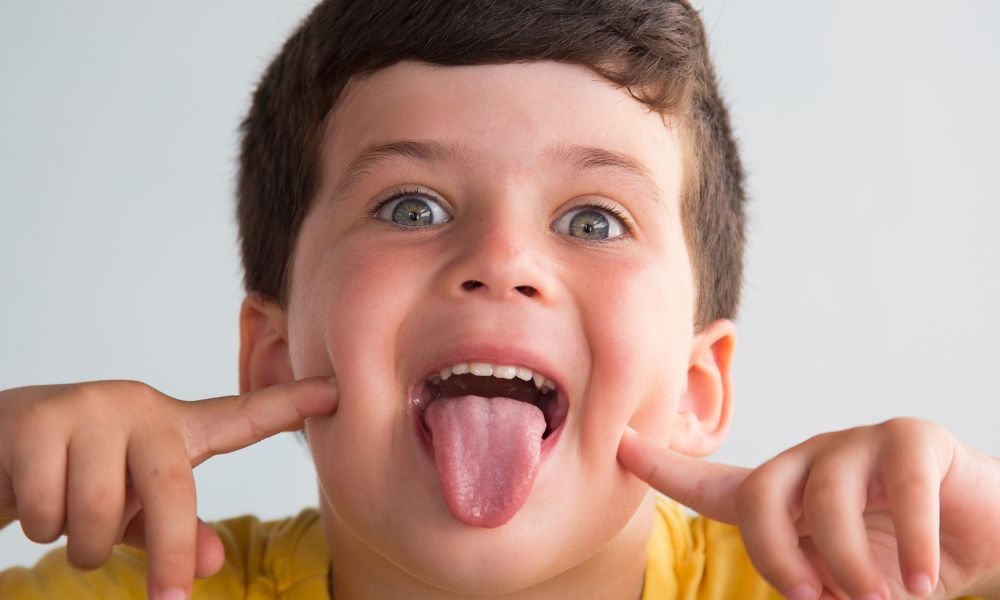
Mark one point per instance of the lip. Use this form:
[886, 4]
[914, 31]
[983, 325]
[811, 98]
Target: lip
[489, 353]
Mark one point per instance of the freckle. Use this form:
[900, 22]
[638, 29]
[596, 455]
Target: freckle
[156, 471]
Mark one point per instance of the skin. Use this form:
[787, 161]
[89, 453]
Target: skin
[622, 353]
[133, 483]
[873, 511]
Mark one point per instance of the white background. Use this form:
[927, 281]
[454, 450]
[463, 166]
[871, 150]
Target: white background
[870, 133]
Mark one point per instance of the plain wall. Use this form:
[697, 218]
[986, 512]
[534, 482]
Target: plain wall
[870, 139]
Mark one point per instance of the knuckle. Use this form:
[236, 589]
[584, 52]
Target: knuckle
[143, 392]
[133, 393]
[253, 415]
[853, 574]
[173, 563]
[909, 485]
[755, 492]
[42, 508]
[85, 401]
[822, 439]
[29, 418]
[907, 428]
[824, 492]
[91, 396]
[173, 481]
[40, 411]
[100, 395]
[697, 493]
[97, 508]
[774, 561]
[821, 501]
[775, 571]
[258, 430]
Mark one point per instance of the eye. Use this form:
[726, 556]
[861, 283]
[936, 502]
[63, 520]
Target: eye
[412, 209]
[590, 223]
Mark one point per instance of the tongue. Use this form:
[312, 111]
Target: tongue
[487, 452]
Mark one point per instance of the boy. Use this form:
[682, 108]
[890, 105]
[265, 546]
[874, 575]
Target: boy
[525, 213]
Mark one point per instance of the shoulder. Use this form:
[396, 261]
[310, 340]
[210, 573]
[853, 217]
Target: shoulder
[691, 556]
[285, 559]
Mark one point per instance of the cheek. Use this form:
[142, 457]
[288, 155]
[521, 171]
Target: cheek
[345, 310]
[348, 302]
[640, 330]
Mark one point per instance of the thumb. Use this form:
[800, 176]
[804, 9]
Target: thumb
[708, 488]
[221, 425]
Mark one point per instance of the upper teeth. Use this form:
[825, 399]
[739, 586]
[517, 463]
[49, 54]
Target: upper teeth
[483, 369]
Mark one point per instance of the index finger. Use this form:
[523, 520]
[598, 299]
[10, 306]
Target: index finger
[165, 486]
[221, 425]
[708, 488]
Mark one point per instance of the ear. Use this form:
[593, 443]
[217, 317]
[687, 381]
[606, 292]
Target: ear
[264, 359]
[706, 406]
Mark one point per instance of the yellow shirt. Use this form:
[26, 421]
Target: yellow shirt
[688, 559]
[697, 558]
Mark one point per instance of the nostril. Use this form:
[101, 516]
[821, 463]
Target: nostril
[472, 284]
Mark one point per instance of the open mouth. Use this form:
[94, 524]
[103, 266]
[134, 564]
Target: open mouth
[489, 380]
[486, 427]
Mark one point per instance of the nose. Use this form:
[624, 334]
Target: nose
[500, 263]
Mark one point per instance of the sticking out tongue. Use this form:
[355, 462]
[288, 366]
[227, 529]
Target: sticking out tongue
[487, 452]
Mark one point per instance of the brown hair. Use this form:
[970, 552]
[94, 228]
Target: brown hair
[656, 49]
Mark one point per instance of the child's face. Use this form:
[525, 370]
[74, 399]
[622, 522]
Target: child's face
[518, 150]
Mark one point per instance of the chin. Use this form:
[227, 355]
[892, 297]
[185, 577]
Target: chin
[488, 565]
[543, 542]
[516, 557]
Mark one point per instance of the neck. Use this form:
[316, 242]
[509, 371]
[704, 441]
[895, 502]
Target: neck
[615, 572]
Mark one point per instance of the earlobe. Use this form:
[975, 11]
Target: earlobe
[264, 358]
[706, 406]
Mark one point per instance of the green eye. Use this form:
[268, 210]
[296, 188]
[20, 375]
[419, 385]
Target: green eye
[413, 210]
[589, 223]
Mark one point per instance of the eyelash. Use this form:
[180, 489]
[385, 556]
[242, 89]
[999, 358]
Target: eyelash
[604, 205]
[402, 193]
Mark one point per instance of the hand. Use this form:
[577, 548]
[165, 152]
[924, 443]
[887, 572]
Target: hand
[111, 461]
[894, 510]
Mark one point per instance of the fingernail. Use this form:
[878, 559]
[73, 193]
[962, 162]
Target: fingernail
[332, 379]
[920, 584]
[630, 430]
[172, 594]
[801, 592]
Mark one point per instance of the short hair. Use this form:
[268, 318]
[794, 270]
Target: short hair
[655, 49]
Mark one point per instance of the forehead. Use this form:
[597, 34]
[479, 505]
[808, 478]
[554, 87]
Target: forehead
[509, 119]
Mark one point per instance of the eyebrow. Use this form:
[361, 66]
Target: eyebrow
[589, 158]
[581, 158]
[362, 164]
